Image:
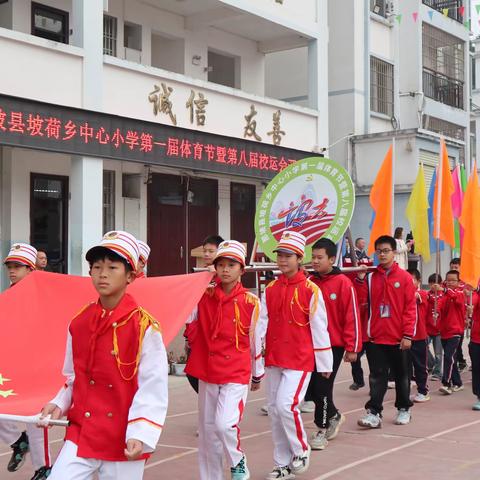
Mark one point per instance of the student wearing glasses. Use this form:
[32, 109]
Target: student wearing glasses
[390, 329]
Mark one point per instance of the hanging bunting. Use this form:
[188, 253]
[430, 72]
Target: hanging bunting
[477, 8]
[398, 18]
[445, 11]
[430, 14]
[467, 24]
[461, 10]
[415, 16]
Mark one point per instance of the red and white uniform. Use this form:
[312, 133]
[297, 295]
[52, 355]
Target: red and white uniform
[393, 292]
[226, 352]
[422, 313]
[475, 325]
[293, 320]
[453, 311]
[344, 325]
[116, 389]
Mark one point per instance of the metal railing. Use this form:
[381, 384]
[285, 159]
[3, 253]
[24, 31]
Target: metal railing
[453, 6]
[443, 89]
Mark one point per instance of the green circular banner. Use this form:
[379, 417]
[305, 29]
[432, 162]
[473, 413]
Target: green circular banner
[314, 196]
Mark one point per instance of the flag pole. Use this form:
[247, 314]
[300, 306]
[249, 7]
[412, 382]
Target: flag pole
[34, 419]
[437, 225]
[393, 185]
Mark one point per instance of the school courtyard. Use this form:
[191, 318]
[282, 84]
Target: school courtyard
[440, 443]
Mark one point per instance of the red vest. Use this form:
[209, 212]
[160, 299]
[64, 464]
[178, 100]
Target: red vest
[102, 391]
[220, 347]
[288, 341]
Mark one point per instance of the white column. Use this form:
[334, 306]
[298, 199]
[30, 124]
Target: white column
[86, 180]
[5, 209]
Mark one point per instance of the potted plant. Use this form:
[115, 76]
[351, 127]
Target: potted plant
[178, 367]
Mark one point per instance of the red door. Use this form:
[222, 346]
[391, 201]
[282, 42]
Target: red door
[242, 217]
[181, 212]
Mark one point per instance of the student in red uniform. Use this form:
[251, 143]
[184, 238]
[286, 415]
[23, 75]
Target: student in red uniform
[419, 350]
[391, 328]
[452, 325]
[433, 322]
[20, 262]
[474, 347]
[294, 321]
[345, 333]
[142, 259]
[225, 356]
[210, 247]
[115, 396]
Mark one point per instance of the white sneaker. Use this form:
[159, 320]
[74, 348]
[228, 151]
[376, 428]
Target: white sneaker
[335, 423]
[307, 407]
[370, 420]
[283, 473]
[264, 409]
[458, 388]
[391, 385]
[301, 463]
[421, 398]
[318, 441]
[445, 389]
[403, 418]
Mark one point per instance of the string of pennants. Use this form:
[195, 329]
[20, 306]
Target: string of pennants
[445, 11]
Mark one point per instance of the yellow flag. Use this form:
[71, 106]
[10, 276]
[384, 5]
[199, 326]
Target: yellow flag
[417, 214]
[470, 221]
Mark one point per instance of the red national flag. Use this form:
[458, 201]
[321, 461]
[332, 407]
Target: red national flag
[34, 317]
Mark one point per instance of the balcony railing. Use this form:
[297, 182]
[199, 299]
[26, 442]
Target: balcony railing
[443, 89]
[454, 7]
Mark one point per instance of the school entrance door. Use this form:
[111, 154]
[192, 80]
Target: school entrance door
[182, 211]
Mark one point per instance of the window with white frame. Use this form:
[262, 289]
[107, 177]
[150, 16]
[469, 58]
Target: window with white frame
[108, 200]
[109, 35]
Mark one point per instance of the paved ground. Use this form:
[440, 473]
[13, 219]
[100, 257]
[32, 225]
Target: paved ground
[442, 442]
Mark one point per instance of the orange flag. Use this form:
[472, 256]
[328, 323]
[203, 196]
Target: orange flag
[34, 317]
[443, 227]
[381, 200]
[470, 221]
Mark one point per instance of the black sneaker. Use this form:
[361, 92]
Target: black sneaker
[20, 449]
[355, 386]
[42, 473]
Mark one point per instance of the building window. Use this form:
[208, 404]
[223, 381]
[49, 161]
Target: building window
[381, 7]
[132, 36]
[131, 185]
[109, 35]
[381, 86]
[443, 66]
[223, 69]
[49, 23]
[443, 127]
[108, 200]
[452, 5]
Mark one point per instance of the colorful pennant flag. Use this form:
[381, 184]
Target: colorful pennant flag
[417, 215]
[442, 211]
[445, 11]
[461, 10]
[398, 18]
[477, 8]
[415, 16]
[470, 221]
[431, 195]
[430, 14]
[381, 200]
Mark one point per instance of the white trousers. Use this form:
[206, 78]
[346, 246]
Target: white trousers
[10, 433]
[220, 410]
[69, 466]
[286, 390]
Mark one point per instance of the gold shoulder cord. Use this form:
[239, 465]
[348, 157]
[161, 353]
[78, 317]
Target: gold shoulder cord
[296, 301]
[146, 320]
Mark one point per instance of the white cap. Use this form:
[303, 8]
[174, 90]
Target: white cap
[292, 242]
[144, 251]
[22, 253]
[233, 250]
[122, 243]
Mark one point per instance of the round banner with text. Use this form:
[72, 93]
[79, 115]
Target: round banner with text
[314, 196]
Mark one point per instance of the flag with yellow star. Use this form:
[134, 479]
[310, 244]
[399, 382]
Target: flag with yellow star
[34, 317]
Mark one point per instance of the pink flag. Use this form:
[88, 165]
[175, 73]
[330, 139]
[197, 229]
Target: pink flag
[457, 197]
[415, 16]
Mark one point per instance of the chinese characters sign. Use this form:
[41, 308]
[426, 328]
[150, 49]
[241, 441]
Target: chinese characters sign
[26, 123]
[315, 197]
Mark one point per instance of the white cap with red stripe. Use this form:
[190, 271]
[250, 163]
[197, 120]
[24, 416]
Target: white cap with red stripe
[23, 254]
[233, 250]
[122, 243]
[292, 242]
[144, 251]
